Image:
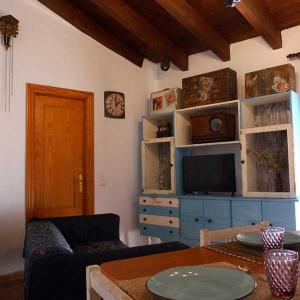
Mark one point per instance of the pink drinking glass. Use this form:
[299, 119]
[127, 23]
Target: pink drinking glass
[272, 237]
[282, 267]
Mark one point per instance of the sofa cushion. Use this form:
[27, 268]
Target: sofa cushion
[99, 246]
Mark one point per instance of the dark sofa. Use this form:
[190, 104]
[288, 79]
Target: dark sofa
[57, 251]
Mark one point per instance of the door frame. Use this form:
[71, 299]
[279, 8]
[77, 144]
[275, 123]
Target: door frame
[88, 98]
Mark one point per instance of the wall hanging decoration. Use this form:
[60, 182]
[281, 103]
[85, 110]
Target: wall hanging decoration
[294, 55]
[114, 105]
[8, 30]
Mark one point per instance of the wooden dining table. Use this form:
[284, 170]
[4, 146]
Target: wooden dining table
[103, 281]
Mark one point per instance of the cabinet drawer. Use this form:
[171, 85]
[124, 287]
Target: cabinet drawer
[246, 213]
[191, 207]
[190, 227]
[153, 201]
[159, 220]
[159, 231]
[217, 212]
[279, 213]
[159, 210]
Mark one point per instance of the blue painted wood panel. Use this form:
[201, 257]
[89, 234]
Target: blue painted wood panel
[280, 213]
[191, 207]
[190, 226]
[246, 213]
[159, 211]
[217, 213]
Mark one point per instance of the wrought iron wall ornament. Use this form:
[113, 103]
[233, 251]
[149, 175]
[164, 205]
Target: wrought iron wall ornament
[9, 30]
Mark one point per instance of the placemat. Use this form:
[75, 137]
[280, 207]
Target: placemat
[239, 250]
[136, 288]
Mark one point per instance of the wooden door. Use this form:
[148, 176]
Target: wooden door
[59, 170]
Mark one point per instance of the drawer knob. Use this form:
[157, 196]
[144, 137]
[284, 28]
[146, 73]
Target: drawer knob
[271, 224]
[144, 200]
[145, 228]
[209, 221]
[170, 221]
[171, 231]
[242, 161]
[253, 223]
[145, 219]
[170, 202]
[144, 209]
[170, 212]
[197, 220]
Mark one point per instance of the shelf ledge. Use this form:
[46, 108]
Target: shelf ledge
[191, 110]
[209, 144]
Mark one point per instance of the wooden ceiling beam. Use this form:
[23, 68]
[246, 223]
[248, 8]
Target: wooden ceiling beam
[189, 18]
[92, 28]
[143, 30]
[259, 18]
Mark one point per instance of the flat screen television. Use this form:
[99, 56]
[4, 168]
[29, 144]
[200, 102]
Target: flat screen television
[209, 174]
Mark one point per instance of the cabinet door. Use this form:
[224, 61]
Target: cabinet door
[158, 174]
[190, 226]
[280, 213]
[217, 214]
[246, 213]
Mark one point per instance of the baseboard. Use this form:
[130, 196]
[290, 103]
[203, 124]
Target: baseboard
[16, 276]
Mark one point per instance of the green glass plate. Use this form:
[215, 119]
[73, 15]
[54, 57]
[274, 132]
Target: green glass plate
[254, 239]
[199, 282]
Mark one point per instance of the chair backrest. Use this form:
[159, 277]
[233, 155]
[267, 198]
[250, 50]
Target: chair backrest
[227, 234]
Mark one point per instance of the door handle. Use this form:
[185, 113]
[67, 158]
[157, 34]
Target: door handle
[80, 181]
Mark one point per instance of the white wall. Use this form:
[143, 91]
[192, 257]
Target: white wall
[246, 56]
[49, 51]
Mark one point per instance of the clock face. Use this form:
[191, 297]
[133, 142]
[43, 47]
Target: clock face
[216, 124]
[114, 104]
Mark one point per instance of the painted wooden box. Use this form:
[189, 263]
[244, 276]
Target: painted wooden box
[268, 81]
[208, 88]
[166, 100]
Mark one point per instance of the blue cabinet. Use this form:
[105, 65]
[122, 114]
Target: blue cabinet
[190, 214]
[246, 213]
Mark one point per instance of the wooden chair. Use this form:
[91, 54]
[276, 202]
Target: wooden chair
[227, 234]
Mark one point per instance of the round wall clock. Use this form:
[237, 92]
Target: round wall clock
[114, 105]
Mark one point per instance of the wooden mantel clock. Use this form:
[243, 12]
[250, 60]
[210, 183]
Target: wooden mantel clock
[114, 105]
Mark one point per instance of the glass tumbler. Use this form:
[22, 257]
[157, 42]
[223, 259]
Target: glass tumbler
[272, 237]
[282, 272]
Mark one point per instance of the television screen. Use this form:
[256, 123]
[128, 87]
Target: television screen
[209, 173]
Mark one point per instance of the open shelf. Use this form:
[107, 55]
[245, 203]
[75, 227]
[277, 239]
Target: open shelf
[183, 122]
[151, 124]
[208, 144]
[266, 110]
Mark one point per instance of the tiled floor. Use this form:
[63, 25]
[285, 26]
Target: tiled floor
[12, 290]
